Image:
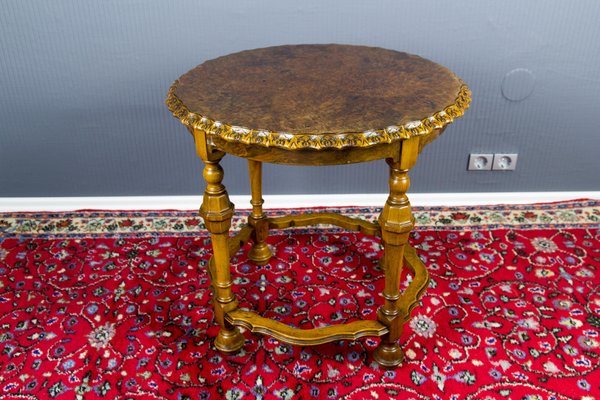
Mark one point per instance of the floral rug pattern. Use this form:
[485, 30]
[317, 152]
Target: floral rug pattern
[117, 305]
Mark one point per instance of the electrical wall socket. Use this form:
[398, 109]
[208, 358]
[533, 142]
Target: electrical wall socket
[504, 162]
[492, 162]
[480, 162]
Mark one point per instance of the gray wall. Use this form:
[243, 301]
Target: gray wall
[82, 85]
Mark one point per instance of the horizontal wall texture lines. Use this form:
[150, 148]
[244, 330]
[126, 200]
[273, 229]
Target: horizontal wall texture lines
[82, 89]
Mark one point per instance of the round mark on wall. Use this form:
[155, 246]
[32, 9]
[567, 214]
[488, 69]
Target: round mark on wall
[518, 84]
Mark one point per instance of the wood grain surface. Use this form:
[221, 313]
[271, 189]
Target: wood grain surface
[318, 89]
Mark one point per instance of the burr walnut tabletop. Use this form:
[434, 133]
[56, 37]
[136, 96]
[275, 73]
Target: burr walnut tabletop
[315, 105]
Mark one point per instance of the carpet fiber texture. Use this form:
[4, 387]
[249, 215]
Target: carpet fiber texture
[117, 305]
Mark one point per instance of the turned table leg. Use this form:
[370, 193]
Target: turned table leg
[217, 212]
[396, 222]
[260, 252]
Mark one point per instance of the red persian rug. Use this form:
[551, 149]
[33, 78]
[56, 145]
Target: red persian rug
[117, 305]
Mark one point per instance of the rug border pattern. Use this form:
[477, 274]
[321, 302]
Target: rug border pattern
[98, 223]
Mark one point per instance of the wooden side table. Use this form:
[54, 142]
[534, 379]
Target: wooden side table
[315, 105]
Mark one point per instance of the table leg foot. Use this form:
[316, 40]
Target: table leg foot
[388, 355]
[260, 253]
[229, 341]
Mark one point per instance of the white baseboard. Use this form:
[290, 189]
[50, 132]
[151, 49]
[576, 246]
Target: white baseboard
[282, 201]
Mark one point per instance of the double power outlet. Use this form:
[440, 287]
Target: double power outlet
[492, 162]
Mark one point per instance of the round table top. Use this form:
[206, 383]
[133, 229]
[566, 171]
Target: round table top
[318, 96]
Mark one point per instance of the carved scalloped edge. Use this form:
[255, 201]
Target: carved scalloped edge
[323, 140]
